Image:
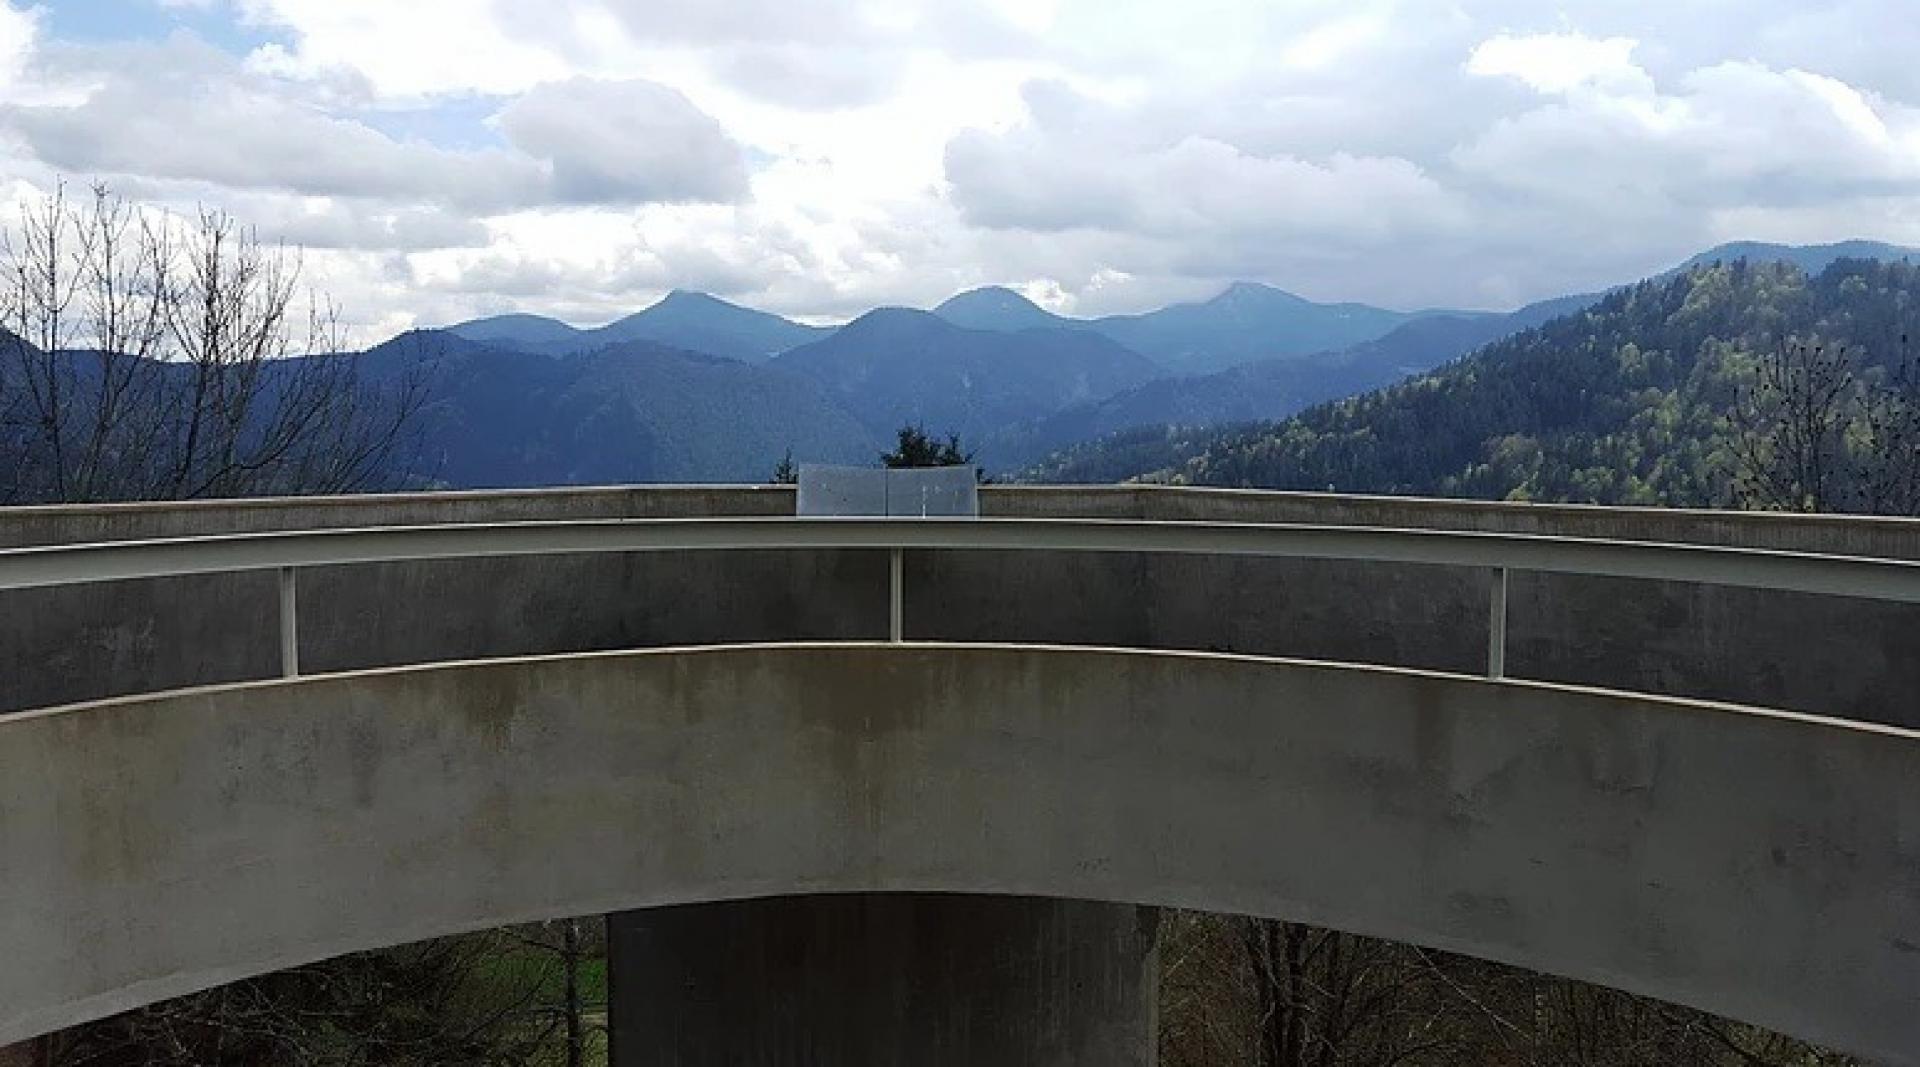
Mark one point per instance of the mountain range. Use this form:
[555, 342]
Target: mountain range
[1812, 259]
[1245, 323]
[695, 322]
[1529, 402]
[633, 411]
[1631, 401]
[1014, 380]
[1266, 388]
[897, 365]
[698, 389]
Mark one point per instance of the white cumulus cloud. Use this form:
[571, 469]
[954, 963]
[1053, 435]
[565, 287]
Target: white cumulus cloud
[17, 32]
[183, 110]
[1558, 62]
[611, 142]
[1736, 134]
[453, 156]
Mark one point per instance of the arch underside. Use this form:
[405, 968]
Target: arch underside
[1764, 866]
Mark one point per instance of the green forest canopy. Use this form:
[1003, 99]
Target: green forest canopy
[1629, 402]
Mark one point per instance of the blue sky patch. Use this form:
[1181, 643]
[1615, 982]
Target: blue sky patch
[458, 122]
[101, 21]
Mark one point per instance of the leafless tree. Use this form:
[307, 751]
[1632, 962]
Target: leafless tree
[1817, 429]
[475, 999]
[1258, 993]
[1890, 467]
[567, 946]
[145, 356]
[1276, 994]
[1791, 424]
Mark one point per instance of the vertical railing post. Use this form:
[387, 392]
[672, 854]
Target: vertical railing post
[895, 608]
[289, 625]
[1497, 625]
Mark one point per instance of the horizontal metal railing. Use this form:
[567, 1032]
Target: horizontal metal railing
[1497, 553]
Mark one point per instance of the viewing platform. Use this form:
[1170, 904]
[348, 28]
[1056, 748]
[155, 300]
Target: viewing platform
[1671, 752]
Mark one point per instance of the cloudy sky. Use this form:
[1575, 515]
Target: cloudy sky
[446, 158]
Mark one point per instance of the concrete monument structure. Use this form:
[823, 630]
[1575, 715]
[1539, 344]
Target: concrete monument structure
[1119, 701]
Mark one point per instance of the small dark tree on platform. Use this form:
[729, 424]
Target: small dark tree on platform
[917, 448]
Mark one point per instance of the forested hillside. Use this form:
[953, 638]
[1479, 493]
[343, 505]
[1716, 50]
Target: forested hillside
[628, 412]
[897, 365]
[1631, 401]
[1245, 323]
[1265, 389]
[692, 322]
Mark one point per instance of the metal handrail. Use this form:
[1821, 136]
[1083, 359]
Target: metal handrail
[1499, 553]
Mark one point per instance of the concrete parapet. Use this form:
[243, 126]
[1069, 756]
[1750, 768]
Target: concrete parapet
[1761, 865]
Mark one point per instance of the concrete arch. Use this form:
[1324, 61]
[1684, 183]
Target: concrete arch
[1762, 865]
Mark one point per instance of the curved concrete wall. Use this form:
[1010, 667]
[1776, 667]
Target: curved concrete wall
[1762, 865]
[1828, 655]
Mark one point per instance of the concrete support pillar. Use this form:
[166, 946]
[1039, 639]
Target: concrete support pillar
[884, 980]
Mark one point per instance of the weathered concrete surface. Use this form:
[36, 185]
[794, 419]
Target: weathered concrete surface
[850, 979]
[1765, 866]
[1828, 655]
